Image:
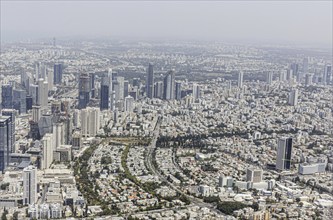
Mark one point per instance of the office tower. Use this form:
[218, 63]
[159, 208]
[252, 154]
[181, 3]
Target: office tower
[76, 140]
[50, 79]
[269, 78]
[47, 142]
[294, 68]
[129, 104]
[37, 71]
[36, 113]
[126, 88]
[254, 175]
[134, 94]
[57, 74]
[327, 76]
[33, 92]
[6, 143]
[43, 91]
[90, 121]
[283, 75]
[178, 95]
[45, 124]
[84, 91]
[150, 81]
[240, 79]
[58, 135]
[305, 66]
[119, 88]
[28, 102]
[92, 84]
[110, 79]
[25, 81]
[308, 79]
[7, 96]
[12, 114]
[158, 90]
[19, 100]
[30, 185]
[283, 157]
[293, 97]
[169, 86]
[290, 74]
[196, 91]
[105, 93]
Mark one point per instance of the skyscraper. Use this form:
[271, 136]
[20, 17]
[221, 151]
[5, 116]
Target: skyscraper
[105, 95]
[327, 76]
[178, 91]
[305, 66]
[6, 143]
[158, 90]
[283, 157]
[7, 96]
[43, 90]
[293, 97]
[90, 121]
[57, 74]
[58, 135]
[92, 85]
[30, 185]
[12, 114]
[129, 104]
[240, 79]
[84, 91]
[269, 78]
[150, 81]
[196, 91]
[169, 85]
[19, 100]
[47, 142]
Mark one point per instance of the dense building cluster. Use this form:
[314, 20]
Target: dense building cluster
[169, 131]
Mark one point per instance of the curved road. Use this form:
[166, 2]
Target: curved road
[151, 167]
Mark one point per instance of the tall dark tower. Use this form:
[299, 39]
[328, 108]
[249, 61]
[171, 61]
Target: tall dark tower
[84, 91]
[105, 93]
[57, 76]
[150, 81]
[283, 157]
[7, 96]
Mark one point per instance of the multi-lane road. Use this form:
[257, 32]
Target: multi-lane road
[152, 168]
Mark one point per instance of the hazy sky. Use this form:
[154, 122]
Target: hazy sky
[285, 21]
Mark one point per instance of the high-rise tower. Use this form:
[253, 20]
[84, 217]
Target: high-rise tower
[150, 81]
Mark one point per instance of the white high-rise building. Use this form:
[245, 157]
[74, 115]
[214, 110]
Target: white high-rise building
[30, 185]
[240, 79]
[50, 76]
[36, 113]
[293, 97]
[269, 78]
[58, 135]
[47, 143]
[43, 91]
[90, 121]
[129, 104]
[196, 91]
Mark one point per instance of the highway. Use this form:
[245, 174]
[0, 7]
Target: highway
[152, 168]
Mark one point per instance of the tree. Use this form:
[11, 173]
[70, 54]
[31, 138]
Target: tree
[229, 207]
[4, 214]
